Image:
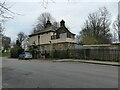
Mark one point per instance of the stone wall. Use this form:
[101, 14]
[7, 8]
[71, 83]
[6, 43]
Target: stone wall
[50, 49]
[59, 46]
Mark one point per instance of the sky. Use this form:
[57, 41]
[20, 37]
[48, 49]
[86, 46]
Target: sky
[73, 12]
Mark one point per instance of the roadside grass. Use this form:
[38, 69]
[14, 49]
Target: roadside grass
[5, 54]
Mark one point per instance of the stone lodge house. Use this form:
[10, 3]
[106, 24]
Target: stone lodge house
[51, 38]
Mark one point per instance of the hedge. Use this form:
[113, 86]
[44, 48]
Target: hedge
[15, 52]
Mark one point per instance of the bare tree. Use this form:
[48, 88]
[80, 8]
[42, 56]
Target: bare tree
[6, 42]
[22, 40]
[25, 42]
[21, 37]
[56, 24]
[97, 27]
[1, 29]
[116, 26]
[5, 12]
[77, 38]
[42, 20]
[13, 44]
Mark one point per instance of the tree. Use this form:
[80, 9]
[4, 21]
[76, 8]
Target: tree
[5, 12]
[13, 44]
[97, 28]
[20, 38]
[6, 42]
[26, 42]
[116, 26]
[18, 44]
[77, 38]
[1, 29]
[42, 20]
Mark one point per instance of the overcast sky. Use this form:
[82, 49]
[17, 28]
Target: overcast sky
[74, 13]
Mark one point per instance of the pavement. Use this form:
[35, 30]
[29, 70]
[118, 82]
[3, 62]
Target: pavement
[48, 74]
[88, 61]
[78, 60]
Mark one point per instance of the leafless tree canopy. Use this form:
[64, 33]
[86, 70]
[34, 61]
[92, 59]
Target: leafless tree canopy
[41, 22]
[6, 42]
[42, 19]
[116, 26]
[97, 26]
[5, 12]
[1, 29]
[21, 37]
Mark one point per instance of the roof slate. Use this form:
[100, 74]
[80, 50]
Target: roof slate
[48, 29]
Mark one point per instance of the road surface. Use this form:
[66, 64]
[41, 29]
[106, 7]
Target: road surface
[48, 74]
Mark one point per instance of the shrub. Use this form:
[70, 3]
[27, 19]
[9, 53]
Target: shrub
[15, 52]
[60, 54]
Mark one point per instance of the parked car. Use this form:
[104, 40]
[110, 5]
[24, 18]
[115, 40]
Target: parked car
[25, 55]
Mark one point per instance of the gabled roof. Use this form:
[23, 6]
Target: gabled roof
[64, 28]
[45, 30]
[50, 28]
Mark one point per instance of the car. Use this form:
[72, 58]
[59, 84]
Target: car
[25, 55]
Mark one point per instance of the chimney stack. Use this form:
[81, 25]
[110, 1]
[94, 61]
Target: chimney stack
[62, 23]
[48, 24]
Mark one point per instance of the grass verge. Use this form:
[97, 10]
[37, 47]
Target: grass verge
[5, 54]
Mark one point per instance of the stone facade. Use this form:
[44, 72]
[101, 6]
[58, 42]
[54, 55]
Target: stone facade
[53, 39]
[59, 46]
[56, 46]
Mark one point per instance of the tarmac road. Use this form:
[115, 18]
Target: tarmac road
[48, 74]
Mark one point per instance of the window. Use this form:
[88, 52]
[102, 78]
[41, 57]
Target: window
[53, 37]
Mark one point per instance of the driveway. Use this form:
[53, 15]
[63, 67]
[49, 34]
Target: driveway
[48, 74]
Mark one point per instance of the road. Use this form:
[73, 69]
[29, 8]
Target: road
[48, 74]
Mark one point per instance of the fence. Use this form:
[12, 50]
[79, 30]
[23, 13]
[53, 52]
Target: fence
[90, 54]
[96, 54]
